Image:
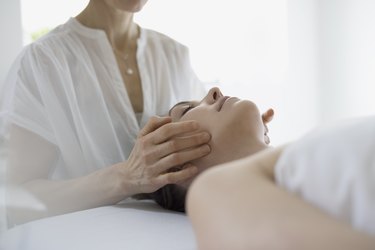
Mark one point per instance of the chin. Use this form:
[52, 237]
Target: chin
[248, 107]
[131, 6]
[135, 5]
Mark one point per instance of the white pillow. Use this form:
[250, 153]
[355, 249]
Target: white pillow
[334, 168]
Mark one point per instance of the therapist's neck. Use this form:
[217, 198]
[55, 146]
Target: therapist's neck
[117, 24]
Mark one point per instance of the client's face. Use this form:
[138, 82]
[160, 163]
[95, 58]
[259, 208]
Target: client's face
[235, 125]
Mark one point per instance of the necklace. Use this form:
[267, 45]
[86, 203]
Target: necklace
[128, 70]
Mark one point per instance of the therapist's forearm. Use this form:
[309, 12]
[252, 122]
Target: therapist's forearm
[54, 197]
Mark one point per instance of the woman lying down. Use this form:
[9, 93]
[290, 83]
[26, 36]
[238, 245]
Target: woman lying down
[315, 193]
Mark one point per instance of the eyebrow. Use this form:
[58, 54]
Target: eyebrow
[177, 104]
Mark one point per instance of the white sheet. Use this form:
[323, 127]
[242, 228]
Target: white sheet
[334, 168]
[132, 225]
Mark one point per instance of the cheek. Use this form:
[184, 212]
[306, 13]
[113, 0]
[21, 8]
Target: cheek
[203, 116]
[243, 120]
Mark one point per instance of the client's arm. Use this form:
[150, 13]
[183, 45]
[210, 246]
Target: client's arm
[239, 206]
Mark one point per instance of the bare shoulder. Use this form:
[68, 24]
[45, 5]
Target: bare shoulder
[262, 163]
[259, 166]
[266, 160]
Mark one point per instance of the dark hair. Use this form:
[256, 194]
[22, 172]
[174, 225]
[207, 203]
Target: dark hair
[171, 197]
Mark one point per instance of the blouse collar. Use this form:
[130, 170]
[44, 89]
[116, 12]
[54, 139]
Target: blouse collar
[98, 33]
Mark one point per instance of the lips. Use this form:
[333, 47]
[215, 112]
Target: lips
[221, 102]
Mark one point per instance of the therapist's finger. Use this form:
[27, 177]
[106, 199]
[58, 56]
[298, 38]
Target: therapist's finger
[179, 158]
[178, 176]
[170, 130]
[179, 143]
[153, 124]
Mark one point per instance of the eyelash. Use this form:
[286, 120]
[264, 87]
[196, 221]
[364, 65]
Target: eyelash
[187, 109]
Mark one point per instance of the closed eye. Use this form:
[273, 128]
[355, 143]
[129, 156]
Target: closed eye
[187, 109]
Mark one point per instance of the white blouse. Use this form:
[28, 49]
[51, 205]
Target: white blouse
[67, 89]
[334, 169]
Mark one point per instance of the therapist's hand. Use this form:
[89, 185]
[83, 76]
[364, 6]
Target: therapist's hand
[160, 146]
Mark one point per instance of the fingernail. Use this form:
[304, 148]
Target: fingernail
[206, 136]
[206, 149]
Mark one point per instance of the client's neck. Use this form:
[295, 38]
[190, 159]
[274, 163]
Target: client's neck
[242, 148]
[248, 149]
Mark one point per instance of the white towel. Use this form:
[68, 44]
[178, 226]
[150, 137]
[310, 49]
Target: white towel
[334, 168]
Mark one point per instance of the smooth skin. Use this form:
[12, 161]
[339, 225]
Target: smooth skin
[230, 121]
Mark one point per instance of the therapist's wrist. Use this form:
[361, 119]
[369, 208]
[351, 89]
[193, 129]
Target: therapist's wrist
[124, 184]
[116, 185]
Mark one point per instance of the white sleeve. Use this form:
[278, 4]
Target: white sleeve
[23, 105]
[29, 145]
[334, 169]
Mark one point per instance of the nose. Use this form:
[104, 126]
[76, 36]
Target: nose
[213, 95]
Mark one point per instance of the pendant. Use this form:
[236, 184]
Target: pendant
[129, 71]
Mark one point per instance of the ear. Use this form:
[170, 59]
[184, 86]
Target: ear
[268, 116]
